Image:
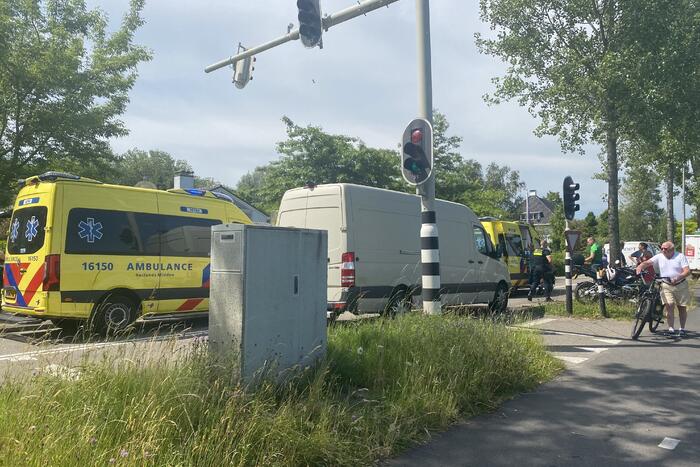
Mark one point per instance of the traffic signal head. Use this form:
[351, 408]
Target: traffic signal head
[310, 27]
[570, 197]
[417, 152]
[243, 72]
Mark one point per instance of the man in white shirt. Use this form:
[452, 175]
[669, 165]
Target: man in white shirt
[675, 266]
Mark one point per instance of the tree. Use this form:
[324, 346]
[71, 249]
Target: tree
[557, 221]
[574, 64]
[157, 167]
[64, 82]
[311, 155]
[640, 215]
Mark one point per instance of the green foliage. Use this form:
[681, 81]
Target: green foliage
[557, 221]
[383, 386]
[640, 216]
[310, 154]
[157, 167]
[64, 82]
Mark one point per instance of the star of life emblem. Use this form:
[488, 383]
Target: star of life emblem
[90, 230]
[14, 232]
[32, 229]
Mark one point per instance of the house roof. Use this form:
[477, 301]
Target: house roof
[537, 204]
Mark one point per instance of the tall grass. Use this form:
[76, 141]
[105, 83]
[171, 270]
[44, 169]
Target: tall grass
[383, 386]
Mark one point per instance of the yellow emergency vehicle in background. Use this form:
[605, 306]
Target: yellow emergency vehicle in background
[80, 249]
[513, 239]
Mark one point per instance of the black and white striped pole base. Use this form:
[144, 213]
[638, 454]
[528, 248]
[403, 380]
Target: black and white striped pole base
[569, 283]
[430, 263]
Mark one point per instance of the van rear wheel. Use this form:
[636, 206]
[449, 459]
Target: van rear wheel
[114, 315]
[398, 304]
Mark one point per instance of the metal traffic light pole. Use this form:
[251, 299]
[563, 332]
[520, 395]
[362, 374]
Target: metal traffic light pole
[430, 248]
[327, 23]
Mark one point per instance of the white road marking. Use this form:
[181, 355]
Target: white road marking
[593, 349]
[84, 347]
[607, 341]
[23, 358]
[669, 443]
[574, 360]
[537, 322]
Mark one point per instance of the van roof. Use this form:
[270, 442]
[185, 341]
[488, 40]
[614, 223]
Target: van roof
[353, 186]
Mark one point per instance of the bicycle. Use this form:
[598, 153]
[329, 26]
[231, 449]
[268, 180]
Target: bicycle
[650, 309]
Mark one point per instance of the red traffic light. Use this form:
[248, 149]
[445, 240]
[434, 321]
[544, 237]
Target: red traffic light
[417, 136]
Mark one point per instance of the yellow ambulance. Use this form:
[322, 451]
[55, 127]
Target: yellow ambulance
[79, 249]
[513, 239]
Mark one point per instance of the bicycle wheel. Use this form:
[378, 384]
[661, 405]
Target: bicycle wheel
[657, 315]
[642, 315]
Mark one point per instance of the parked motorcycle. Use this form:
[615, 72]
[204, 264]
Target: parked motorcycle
[620, 283]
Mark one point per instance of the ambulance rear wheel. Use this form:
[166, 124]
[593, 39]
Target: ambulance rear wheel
[114, 315]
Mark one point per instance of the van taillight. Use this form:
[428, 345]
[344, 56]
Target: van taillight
[52, 273]
[347, 270]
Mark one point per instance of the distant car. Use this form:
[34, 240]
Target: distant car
[631, 247]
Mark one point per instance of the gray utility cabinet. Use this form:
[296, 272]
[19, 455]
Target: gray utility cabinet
[268, 298]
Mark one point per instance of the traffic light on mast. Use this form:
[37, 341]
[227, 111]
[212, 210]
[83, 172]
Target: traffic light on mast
[570, 198]
[243, 72]
[417, 152]
[310, 26]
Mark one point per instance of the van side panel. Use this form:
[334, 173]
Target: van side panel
[185, 233]
[385, 238]
[458, 263]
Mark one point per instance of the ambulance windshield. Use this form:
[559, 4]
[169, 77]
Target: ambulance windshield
[26, 235]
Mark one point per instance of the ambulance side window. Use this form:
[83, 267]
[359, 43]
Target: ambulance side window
[186, 236]
[100, 231]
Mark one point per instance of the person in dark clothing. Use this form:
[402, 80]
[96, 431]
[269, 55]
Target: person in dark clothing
[542, 260]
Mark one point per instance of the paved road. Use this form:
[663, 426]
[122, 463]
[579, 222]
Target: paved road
[617, 401]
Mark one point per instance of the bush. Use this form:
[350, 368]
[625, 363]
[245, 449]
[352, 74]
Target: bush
[558, 263]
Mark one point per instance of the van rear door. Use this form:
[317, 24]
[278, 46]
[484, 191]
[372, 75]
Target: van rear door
[27, 248]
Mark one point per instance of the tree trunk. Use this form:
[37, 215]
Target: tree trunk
[613, 185]
[670, 220]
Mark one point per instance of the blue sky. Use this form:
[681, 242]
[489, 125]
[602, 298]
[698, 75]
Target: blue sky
[363, 83]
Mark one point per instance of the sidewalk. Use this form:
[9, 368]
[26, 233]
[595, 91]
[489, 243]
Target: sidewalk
[611, 409]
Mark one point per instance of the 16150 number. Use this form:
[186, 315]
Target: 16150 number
[98, 266]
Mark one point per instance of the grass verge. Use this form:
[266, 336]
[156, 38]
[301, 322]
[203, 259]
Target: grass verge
[616, 310]
[383, 386]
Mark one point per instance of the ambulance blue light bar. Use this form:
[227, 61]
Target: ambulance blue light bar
[195, 192]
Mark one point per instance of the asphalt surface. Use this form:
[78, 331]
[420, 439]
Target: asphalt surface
[616, 403]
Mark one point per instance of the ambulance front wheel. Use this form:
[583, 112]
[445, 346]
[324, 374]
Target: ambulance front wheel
[114, 315]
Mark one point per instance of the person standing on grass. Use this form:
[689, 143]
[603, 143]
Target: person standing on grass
[673, 265]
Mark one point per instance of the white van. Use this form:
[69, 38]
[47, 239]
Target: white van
[374, 248]
[631, 247]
